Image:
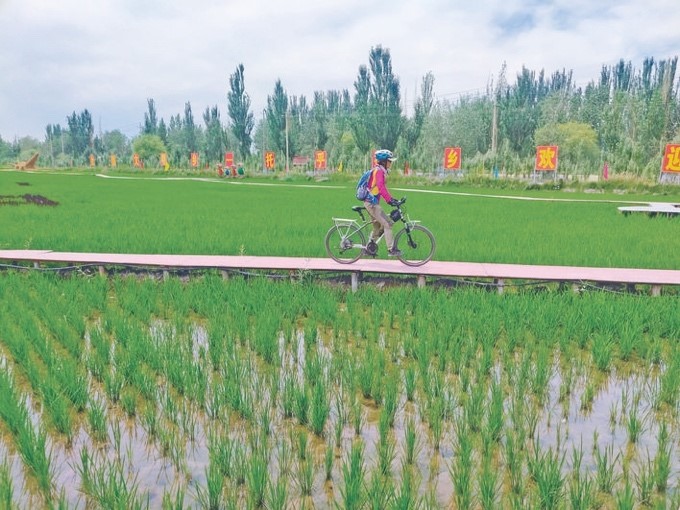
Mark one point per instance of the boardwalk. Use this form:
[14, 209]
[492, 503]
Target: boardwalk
[499, 273]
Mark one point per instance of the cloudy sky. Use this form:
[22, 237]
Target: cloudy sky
[110, 56]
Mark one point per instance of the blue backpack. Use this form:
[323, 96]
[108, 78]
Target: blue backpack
[363, 193]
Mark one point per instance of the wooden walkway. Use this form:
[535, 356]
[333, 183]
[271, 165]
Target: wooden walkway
[498, 273]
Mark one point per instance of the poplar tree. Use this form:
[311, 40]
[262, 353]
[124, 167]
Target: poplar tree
[242, 121]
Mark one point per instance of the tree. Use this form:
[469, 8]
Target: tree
[242, 121]
[214, 135]
[277, 110]
[421, 110]
[81, 130]
[150, 119]
[359, 119]
[577, 142]
[189, 129]
[149, 147]
[384, 111]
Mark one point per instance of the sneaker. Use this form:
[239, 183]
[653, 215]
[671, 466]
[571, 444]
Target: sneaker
[394, 252]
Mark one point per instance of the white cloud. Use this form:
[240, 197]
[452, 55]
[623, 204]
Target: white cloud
[109, 56]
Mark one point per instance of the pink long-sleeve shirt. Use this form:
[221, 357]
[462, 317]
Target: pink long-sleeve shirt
[379, 185]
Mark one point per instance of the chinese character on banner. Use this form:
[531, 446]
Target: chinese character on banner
[319, 160]
[546, 158]
[114, 161]
[194, 159]
[136, 162]
[452, 158]
[269, 160]
[228, 159]
[671, 158]
[92, 159]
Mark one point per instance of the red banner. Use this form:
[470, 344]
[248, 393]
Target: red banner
[194, 159]
[452, 158]
[136, 162]
[671, 158]
[229, 159]
[546, 158]
[320, 162]
[269, 160]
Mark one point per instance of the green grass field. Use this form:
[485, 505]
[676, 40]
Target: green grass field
[157, 214]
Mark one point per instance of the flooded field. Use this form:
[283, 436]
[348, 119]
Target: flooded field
[265, 393]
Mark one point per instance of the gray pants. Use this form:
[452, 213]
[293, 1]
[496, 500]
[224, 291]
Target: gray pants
[381, 223]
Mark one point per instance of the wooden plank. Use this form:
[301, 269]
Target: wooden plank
[432, 268]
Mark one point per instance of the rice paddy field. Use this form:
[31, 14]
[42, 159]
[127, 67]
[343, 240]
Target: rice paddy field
[290, 391]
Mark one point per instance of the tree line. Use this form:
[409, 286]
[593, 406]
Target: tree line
[624, 117]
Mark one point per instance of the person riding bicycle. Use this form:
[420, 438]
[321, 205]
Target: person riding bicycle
[378, 189]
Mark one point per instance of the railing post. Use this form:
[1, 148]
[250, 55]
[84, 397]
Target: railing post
[355, 280]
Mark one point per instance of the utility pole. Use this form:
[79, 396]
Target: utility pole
[287, 155]
[264, 140]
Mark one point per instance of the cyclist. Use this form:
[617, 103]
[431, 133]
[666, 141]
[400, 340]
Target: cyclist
[381, 221]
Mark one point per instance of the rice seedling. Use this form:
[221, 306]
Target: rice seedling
[644, 482]
[174, 501]
[602, 351]
[329, 457]
[588, 396]
[410, 381]
[489, 484]
[406, 493]
[320, 408]
[379, 491]
[357, 414]
[258, 480]
[353, 474]
[301, 399]
[662, 459]
[285, 458]
[625, 498]
[301, 440]
[545, 469]
[605, 476]
[211, 497]
[96, 416]
[411, 443]
[6, 486]
[277, 495]
[436, 421]
[460, 469]
[304, 476]
[634, 425]
[387, 452]
[106, 484]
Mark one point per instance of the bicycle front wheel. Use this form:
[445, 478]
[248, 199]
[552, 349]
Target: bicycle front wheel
[417, 247]
[345, 244]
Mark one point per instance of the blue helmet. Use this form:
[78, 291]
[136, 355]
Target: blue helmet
[384, 155]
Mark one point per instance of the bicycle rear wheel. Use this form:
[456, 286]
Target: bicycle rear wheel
[345, 244]
[417, 249]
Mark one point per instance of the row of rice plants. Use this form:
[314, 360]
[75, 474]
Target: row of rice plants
[252, 392]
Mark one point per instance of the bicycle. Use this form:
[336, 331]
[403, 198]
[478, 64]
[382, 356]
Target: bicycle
[346, 240]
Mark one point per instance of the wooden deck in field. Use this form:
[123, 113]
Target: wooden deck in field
[653, 209]
[498, 273]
